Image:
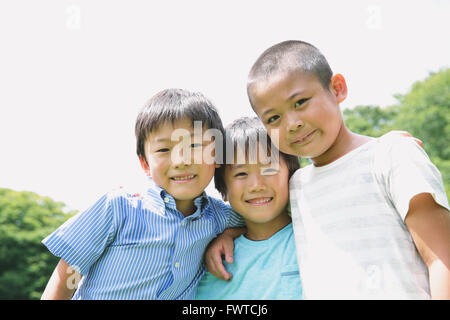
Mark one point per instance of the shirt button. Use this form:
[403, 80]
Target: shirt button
[177, 264]
[166, 199]
[183, 223]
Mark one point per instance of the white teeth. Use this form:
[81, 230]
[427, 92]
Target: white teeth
[184, 178]
[260, 201]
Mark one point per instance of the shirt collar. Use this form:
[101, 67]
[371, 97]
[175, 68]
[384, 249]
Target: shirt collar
[201, 202]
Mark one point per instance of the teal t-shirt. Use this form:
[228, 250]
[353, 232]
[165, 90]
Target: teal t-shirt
[262, 270]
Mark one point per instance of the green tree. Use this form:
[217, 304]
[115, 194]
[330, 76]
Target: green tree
[370, 120]
[424, 112]
[25, 264]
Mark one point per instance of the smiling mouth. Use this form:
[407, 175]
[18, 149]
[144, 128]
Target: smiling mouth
[305, 139]
[259, 201]
[186, 178]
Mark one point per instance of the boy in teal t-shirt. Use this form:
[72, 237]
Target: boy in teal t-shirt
[257, 187]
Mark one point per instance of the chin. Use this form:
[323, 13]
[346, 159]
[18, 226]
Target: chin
[261, 220]
[183, 196]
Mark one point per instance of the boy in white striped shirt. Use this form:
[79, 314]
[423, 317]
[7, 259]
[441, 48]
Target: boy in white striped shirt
[371, 217]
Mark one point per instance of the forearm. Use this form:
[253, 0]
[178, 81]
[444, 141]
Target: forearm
[439, 275]
[61, 285]
[234, 232]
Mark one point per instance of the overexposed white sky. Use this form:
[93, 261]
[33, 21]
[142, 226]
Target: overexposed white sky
[74, 74]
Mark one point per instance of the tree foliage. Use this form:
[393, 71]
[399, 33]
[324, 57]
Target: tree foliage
[424, 112]
[25, 264]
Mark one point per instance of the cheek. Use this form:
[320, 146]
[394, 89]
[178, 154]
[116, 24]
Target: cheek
[234, 192]
[279, 140]
[328, 116]
[282, 182]
[285, 146]
[284, 192]
[234, 200]
[157, 169]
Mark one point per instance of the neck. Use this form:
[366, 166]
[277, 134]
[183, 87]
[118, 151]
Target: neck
[186, 207]
[345, 142]
[262, 231]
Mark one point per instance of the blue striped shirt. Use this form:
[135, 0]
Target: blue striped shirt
[140, 246]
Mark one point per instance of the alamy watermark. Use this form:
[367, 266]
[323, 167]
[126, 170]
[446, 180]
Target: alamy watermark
[374, 17]
[73, 17]
[209, 146]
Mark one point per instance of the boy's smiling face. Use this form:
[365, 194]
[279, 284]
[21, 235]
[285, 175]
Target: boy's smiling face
[182, 176]
[258, 192]
[306, 115]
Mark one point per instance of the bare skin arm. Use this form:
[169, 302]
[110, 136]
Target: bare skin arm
[222, 245]
[61, 286]
[429, 225]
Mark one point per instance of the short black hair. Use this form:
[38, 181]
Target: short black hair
[170, 105]
[290, 56]
[242, 133]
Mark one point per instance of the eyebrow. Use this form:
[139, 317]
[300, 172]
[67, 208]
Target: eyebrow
[237, 166]
[165, 139]
[162, 140]
[296, 93]
[267, 111]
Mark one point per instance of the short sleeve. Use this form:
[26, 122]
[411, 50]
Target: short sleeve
[225, 217]
[408, 171]
[234, 219]
[81, 240]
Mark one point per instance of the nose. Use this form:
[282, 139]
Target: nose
[179, 157]
[294, 123]
[256, 183]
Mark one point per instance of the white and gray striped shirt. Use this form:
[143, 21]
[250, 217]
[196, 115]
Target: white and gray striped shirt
[348, 217]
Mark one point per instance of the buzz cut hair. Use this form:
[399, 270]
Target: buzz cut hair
[290, 56]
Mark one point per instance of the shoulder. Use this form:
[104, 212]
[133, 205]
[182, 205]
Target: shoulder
[394, 142]
[122, 199]
[124, 194]
[218, 210]
[394, 148]
[298, 175]
[218, 205]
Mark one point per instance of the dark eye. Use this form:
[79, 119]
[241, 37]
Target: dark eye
[240, 174]
[163, 150]
[272, 119]
[196, 145]
[300, 102]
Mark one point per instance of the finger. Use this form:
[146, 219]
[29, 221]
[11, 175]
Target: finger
[228, 248]
[418, 141]
[220, 268]
[212, 263]
[216, 267]
[223, 273]
[404, 133]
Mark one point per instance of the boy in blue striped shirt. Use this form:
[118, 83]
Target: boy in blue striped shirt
[149, 246]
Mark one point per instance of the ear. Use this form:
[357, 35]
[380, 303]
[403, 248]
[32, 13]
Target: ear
[145, 166]
[339, 87]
